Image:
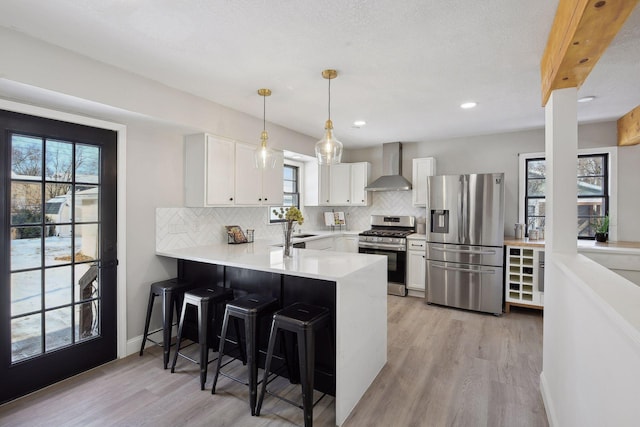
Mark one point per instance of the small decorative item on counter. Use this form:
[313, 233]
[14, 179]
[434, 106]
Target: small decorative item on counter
[235, 234]
[250, 233]
[290, 215]
[519, 231]
[541, 233]
[533, 234]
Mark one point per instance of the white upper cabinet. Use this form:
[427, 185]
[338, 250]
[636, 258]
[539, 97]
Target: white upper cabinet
[360, 174]
[422, 168]
[209, 171]
[337, 185]
[340, 187]
[255, 187]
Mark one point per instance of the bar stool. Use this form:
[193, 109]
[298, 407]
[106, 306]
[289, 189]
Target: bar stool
[206, 301]
[171, 291]
[303, 320]
[250, 308]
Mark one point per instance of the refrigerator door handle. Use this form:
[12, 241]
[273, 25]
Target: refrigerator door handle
[465, 251]
[460, 209]
[465, 270]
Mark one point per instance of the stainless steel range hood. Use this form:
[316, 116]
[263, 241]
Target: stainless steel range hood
[392, 179]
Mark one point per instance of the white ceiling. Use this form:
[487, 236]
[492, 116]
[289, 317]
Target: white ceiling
[404, 66]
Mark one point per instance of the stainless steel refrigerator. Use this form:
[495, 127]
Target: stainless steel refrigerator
[465, 238]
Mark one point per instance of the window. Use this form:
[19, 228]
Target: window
[291, 191]
[593, 192]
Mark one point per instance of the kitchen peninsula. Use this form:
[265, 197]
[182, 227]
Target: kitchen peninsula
[354, 286]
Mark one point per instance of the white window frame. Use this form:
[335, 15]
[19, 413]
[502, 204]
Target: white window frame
[612, 155]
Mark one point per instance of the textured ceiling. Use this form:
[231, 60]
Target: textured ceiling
[404, 66]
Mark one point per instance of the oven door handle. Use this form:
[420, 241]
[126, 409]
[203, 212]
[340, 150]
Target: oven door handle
[382, 246]
[464, 270]
[465, 251]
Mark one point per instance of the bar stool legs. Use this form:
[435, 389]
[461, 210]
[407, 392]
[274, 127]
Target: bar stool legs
[171, 292]
[303, 320]
[250, 309]
[206, 300]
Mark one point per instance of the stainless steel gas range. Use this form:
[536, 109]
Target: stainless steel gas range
[388, 236]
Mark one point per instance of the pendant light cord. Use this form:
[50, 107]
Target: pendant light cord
[264, 112]
[329, 99]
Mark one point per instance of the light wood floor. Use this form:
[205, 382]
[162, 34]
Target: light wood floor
[446, 367]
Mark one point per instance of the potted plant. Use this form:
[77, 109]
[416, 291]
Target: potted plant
[602, 228]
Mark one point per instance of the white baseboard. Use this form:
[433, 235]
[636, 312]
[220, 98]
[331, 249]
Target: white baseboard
[133, 344]
[415, 293]
[548, 403]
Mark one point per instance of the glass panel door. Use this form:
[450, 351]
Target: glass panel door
[58, 277]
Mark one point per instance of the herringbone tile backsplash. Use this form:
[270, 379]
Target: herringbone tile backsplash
[184, 227]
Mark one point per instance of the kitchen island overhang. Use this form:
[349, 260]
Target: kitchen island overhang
[360, 308]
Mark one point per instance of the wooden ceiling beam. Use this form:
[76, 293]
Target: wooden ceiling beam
[629, 128]
[581, 32]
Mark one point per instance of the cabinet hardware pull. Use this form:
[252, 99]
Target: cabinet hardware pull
[230, 199]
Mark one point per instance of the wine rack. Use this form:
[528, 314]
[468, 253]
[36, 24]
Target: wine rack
[521, 277]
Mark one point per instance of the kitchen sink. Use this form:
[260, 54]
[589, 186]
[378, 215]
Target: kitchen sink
[302, 236]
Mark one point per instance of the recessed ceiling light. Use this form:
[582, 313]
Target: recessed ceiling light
[359, 123]
[586, 98]
[468, 105]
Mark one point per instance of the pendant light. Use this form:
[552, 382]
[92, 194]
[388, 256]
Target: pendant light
[329, 149]
[264, 158]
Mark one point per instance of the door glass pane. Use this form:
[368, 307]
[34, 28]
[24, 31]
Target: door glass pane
[26, 248]
[86, 240]
[87, 164]
[57, 202]
[57, 324]
[26, 337]
[26, 292]
[87, 320]
[26, 157]
[57, 249]
[86, 285]
[26, 207]
[59, 161]
[87, 199]
[57, 286]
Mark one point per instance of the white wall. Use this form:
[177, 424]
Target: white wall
[157, 118]
[499, 153]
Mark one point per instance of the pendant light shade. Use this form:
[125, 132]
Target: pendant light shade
[264, 156]
[329, 149]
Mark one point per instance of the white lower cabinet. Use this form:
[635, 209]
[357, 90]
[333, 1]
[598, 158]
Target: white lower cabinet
[346, 244]
[416, 264]
[524, 277]
[323, 244]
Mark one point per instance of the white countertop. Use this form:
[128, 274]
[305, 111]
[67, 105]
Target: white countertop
[262, 256]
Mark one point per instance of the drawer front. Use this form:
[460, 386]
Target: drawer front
[466, 254]
[416, 245]
[467, 286]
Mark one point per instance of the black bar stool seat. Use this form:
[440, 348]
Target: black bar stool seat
[206, 301]
[250, 309]
[171, 291]
[303, 320]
